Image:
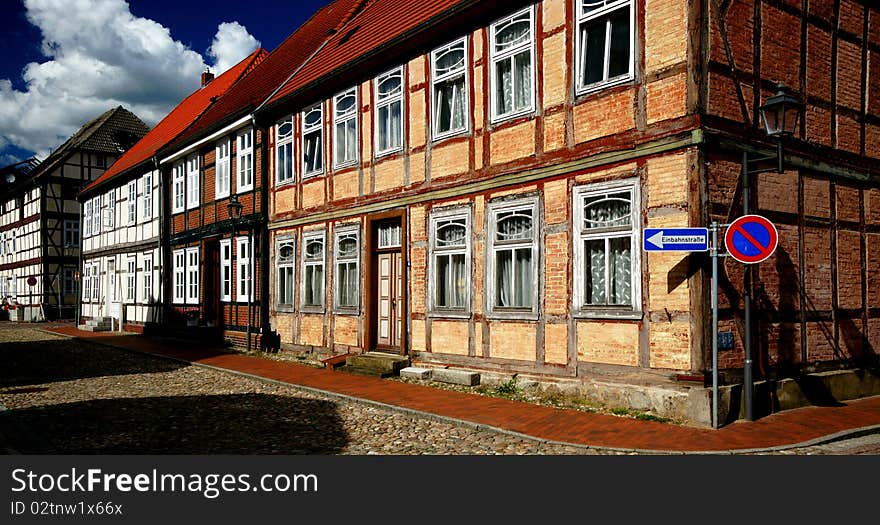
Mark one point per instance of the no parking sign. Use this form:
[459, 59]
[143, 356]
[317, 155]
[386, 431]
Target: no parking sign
[751, 239]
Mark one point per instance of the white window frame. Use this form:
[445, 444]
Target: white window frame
[179, 277]
[192, 181]
[192, 275]
[13, 242]
[388, 100]
[87, 282]
[244, 270]
[110, 217]
[581, 234]
[509, 55]
[178, 204]
[305, 261]
[222, 163]
[226, 270]
[447, 75]
[87, 218]
[244, 161]
[148, 195]
[280, 242]
[438, 218]
[580, 54]
[96, 280]
[147, 284]
[494, 209]
[343, 118]
[306, 130]
[131, 279]
[281, 141]
[96, 215]
[132, 202]
[338, 235]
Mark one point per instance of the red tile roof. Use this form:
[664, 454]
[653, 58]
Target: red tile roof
[271, 73]
[178, 119]
[378, 23]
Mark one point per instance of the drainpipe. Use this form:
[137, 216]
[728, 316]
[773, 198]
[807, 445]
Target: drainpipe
[159, 243]
[264, 235]
[79, 268]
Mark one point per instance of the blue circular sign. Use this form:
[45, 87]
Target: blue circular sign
[751, 239]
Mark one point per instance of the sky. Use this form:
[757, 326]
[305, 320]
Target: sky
[64, 62]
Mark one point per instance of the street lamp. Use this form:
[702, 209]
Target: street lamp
[780, 115]
[235, 208]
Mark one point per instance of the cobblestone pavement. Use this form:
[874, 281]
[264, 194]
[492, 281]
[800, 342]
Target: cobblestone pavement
[74, 397]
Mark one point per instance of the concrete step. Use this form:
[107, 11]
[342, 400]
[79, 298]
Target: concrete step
[414, 372]
[375, 364]
[91, 328]
[455, 377]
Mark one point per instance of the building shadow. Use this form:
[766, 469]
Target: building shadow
[250, 423]
[51, 360]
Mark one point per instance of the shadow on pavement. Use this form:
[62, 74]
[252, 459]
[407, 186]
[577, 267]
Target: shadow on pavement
[213, 424]
[47, 361]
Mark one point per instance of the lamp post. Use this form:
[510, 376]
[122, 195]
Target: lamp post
[780, 115]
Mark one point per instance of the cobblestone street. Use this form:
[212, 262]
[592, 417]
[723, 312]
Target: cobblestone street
[69, 396]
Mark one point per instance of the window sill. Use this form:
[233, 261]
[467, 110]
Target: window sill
[512, 316]
[351, 311]
[501, 120]
[446, 135]
[283, 184]
[245, 189]
[311, 176]
[287, 308]
[449, 315]
[388, 153]
[626, 315]
[582, 92]
[311, 310]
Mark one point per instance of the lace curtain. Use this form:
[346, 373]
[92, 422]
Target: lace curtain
[451, 280]
[514, 278]
[347, 282]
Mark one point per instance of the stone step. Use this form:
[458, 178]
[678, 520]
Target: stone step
[92, 328]
[375, 364]
[455, 377]
[414, 372]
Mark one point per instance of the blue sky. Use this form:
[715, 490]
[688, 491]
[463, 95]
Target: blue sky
[64, 62]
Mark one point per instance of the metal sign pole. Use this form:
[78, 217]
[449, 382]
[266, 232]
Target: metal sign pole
[714, 254]
[748, 382]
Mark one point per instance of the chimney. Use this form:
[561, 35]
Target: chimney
[207, 77]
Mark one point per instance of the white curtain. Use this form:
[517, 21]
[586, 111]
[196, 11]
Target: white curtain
[451, 280]
[450, 104]
[347, 283]
[514, 279]
[620, 271]
[523, 62]
[394, 126]
[595, 283]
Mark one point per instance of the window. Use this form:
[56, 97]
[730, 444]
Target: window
[131, 280]
[221, 170]
[606, 247]
[148, 196]
[192, 275]
[345, 140]
[13, 242]
[226, 270]
[284, 267]
[284, 151]
[178, 188]
[313, 155]
[68, 282]
[96, 215]
[512, 51]
[179, 276]
[245, 161]
[389, 111]
[450, 274]
[449, 81]
[389, 235]
[604, 43]
[132, 202]
[87, 282]
[513, 248]
[244, 269]
[148, 279]
[313, 270]
[110, 214]
[87, 218]
[100, 161]
[192, 182]
[96, 281]
[71, 232]
[347, 278]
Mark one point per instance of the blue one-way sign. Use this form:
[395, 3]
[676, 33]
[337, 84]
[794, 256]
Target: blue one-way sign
[676, 239]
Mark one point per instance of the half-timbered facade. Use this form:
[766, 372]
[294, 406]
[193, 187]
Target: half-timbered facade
[40, 228]
[211, 276]
[122, 269]
[470, 189]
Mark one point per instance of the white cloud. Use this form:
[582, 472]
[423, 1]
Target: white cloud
[231, 44]
[99, 56]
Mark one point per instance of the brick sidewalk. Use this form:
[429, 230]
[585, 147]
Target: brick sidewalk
[782, 429]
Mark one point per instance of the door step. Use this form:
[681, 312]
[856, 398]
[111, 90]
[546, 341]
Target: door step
[376, 364]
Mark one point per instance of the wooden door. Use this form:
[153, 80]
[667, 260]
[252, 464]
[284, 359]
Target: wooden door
[212, 283]
[389, 300]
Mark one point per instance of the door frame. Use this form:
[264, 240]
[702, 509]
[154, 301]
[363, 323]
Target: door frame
[371, 277]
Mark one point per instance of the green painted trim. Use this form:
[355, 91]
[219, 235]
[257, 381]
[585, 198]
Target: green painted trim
[694, 138]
